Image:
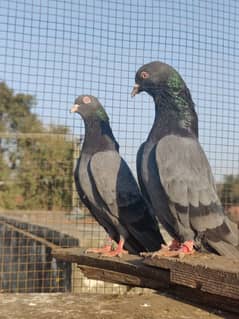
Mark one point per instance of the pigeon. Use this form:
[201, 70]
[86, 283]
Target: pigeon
[173, 171]
[108, 188]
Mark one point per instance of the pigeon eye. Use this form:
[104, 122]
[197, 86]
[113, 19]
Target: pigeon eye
[144, 75]
[86, 99]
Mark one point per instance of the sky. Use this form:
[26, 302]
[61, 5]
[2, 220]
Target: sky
[57, 50]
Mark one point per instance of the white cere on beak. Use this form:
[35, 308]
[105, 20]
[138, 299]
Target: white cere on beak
[74, 108]
[135, 90]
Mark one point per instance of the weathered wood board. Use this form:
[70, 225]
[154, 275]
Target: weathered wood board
[210, 273]
[128, 270]
[204, 279]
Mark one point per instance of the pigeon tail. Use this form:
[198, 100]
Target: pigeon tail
[225, 249]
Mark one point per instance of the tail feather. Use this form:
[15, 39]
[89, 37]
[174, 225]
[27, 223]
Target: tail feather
[148, 239]
[224, 239]
[225, 249]
[144, 233]
[132, 246]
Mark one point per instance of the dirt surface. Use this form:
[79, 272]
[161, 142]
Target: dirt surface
[88, 306]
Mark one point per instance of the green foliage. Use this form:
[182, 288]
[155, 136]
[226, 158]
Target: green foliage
[15, 111]
[229, 190]
[36, 168]
[8, 189]
[45, 173]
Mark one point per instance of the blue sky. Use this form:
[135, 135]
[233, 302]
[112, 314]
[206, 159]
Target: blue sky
[57, 50]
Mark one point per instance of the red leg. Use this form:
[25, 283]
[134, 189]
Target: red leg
[173, 245]
[187, 247]
[119, 251]
[164, 250]
[173, 249]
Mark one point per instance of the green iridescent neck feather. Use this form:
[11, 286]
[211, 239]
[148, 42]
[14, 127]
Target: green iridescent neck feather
[102, 114]
[183, 105]
[175, 82]
[176, 87]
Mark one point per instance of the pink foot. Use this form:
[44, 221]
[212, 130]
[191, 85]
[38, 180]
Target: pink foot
[187, 247]
[107, 248]
[119, 251]
[102, 250]
[165, 249]
[116, 252]
[173, 245]
[173, 249]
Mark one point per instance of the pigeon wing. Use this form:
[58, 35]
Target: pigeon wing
[79, 189]
[115, 183]
[119, 190]
[139, 171]
[188, 182]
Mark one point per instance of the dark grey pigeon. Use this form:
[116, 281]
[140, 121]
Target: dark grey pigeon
[107, 187]
[173, 171]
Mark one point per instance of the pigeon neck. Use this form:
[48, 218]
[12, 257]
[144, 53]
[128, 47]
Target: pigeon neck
[174, 114]
[98, 136]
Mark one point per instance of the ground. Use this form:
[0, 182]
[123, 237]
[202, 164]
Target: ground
[89, 306]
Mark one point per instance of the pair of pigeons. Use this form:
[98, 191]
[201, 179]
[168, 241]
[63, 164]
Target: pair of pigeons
[174, 175]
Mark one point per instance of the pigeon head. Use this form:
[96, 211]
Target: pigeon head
[173, 101]
[156, 77]
[98, 133]
[88, 107]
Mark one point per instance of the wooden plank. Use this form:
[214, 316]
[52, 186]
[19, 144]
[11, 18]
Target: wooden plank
[116, 277]
[130, 265]
[202, 279]
[206, 272]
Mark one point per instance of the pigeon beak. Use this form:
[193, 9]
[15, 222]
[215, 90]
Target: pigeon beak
[74, 108]
[135, 90]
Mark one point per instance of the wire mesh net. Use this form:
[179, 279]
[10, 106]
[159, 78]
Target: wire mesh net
[53, 51]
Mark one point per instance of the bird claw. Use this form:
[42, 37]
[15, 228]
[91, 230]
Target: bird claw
[102, 250]
[174, 245]
[155, 253]
[145, 254]
[115, 253]
[173, 249]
